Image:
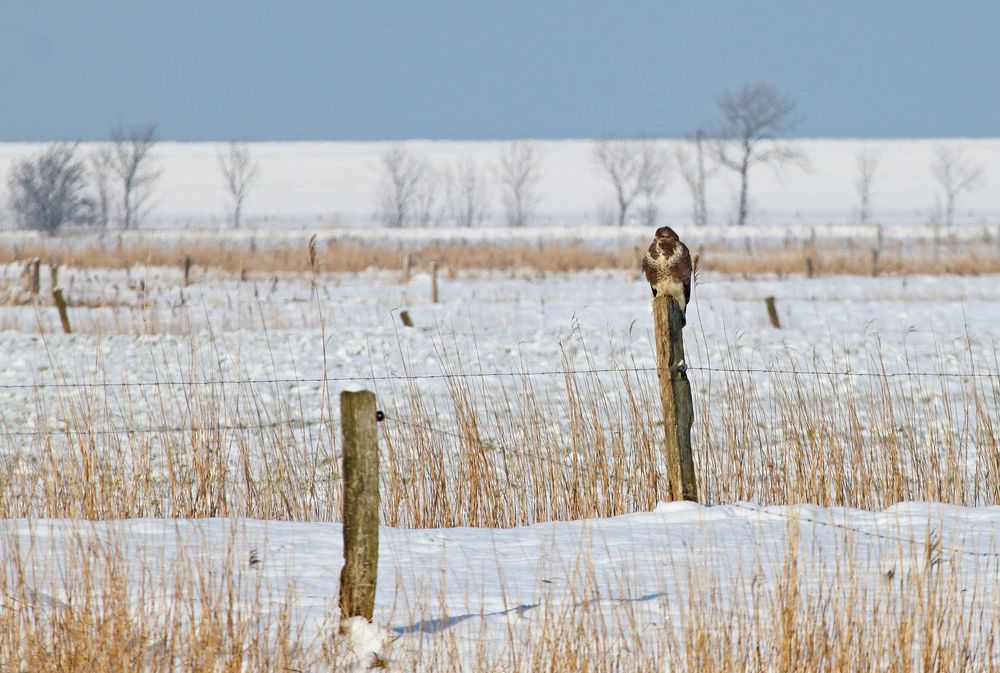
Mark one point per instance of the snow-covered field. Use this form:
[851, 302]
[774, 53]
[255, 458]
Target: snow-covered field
[820, 446]
[477, 596]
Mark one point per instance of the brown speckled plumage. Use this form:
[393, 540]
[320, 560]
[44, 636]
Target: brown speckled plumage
[667, 265]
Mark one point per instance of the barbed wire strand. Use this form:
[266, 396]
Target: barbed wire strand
[495, 374]
[292, 422]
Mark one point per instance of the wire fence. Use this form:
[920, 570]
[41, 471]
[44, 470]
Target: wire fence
[359, 378]
[424, 426]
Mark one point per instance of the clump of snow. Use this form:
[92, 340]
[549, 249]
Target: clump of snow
[363, 643]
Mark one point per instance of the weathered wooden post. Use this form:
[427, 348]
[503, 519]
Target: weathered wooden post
[361, 504]
[434, 282]
[187, 269]
[60, 302]
[809, 267]
[875, 268]
[32, 278]
[772, 312]
[407, 268]
[675, 395]
[53, 275]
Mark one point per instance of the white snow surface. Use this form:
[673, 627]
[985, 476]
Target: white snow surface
[480, 585]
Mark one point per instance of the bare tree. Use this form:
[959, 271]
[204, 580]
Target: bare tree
[239, 171]
[754, 118]
[654, 176]
[401, 187]
[48, 191]
[867, 162]
[619, 163]
[519, 171]
[466, 194]
[100, 166]
[956, 173]
[132, 151]
[695, 171]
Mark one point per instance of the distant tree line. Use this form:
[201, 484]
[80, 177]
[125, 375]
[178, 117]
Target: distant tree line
[112, 184]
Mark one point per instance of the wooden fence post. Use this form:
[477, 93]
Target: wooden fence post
[809, 267]
[60, 301]
[772, 312]
[434, 282]
[407, 268]
[53, 275]
[32, 278]
[187, 269]
[875, 267]
[675, 395]
[361, 504]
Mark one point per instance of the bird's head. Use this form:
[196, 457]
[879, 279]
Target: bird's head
[667, 233]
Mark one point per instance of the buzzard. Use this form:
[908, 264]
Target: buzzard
[667, 265]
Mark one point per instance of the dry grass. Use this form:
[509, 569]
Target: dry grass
[828, 259]
[512, 450]
[96, 609]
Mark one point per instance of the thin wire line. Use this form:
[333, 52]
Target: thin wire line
[295, 422]
[467, 375]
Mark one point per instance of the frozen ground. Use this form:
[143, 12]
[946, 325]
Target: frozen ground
[465, 594]
[468, 593]
[320, 185]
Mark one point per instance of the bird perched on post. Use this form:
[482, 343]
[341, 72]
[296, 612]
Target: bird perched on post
[667, 265]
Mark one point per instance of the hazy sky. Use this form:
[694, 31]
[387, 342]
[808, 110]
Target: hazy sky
[282, 70]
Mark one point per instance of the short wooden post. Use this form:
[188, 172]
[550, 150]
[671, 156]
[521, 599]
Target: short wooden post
[32, 278]
[405, 317]
[772, 312]
[875, 268]
[675, 395]
[809, 267]
[636, 265]
[60, 302]
[187, 269]
[434, 282]
[407, 268]
[361, 504]
[53, 275]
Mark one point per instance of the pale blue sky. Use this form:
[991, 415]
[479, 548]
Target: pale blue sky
[222, 69]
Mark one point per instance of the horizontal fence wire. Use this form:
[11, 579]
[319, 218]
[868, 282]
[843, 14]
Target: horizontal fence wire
[179, 429]
[496, 374]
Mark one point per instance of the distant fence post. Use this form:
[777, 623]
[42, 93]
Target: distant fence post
[809, 267]
[675, 395]
[361, 504]
[875, 266]
[187, 269]
[407, 268]
[32, 275]
[434, 282]
[772, 312]
[60, 302]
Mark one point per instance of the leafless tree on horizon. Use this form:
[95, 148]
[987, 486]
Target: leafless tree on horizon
[466, 193]
[754, 119]
[867, 163]
[132, 157]
[239, 171]
[519, 172]
[48, 190]
[100, 165]
[402, 175]
[633, 168]
[955, 173]
[695, 172]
